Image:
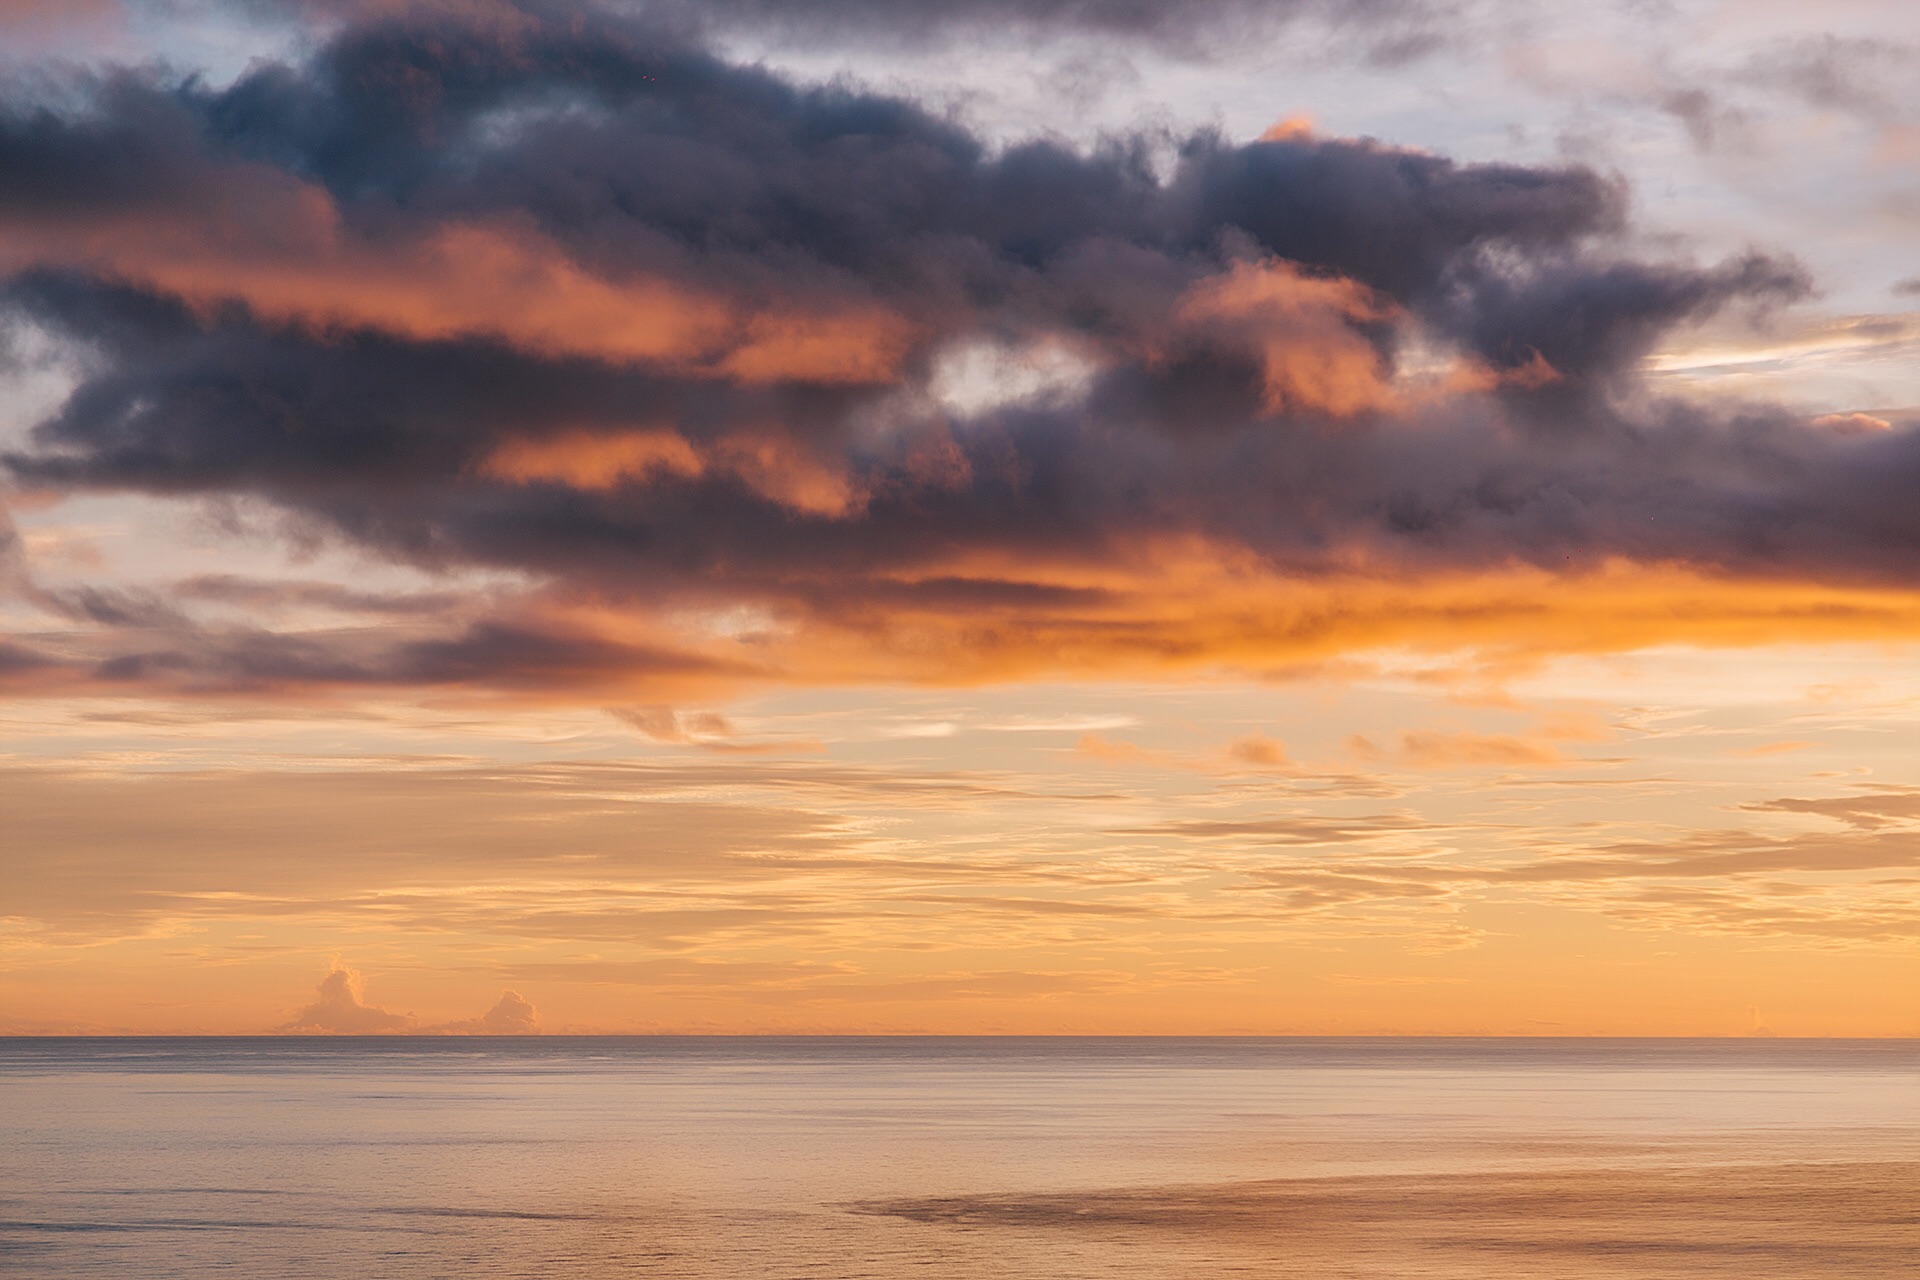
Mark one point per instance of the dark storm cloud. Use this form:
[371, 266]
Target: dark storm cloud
[1593, 322]
[355, 287]
[635, 152]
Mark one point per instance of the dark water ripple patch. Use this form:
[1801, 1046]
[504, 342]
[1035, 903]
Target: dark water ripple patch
[1810, 1221]
[516, 1215]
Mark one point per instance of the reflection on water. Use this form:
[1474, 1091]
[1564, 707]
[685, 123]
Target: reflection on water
[959, 1158]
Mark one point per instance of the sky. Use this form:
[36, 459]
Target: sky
[871, 516]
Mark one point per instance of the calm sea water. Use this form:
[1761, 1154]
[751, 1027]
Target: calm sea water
[942, 1158]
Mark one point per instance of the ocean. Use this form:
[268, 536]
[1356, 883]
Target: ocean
[1020, 1159]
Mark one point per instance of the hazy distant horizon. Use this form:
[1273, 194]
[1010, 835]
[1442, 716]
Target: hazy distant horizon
[455, 1037]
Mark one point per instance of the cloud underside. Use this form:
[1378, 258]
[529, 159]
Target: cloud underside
[1148, 620]
[718, 379]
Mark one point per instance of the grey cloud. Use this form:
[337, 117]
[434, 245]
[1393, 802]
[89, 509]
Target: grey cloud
[1866, 76]
[1387, 31]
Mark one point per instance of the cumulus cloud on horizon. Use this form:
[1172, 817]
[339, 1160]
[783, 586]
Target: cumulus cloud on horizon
[341, 1008]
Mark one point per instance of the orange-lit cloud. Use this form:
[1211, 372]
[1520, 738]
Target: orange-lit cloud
[1193, 613]
[280, 246]
[1258, 749]
[1289, 128]
[1852, 424]
[588, 461]
[1777, 748]
[1301, 329]
[1430, 750]
[1180, 612]
[1098, 746]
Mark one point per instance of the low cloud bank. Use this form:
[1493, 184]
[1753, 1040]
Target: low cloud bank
[341, 1009]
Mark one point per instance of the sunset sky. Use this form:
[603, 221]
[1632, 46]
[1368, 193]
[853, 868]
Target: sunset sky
[1091, 516]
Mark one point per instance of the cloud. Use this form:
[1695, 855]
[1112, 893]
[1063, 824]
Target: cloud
[1860, 75]
[656, 343]
[60, 28]
[706, 729]
[1119, 751]
[1433, 749]
[341, 1010]
[91, 851]
[716, 878]
[1832, 889]
[1301, 829]
[1304, 334]
[1852, 424]
[1390, 30]
[669, 857]
[1448, 750]
[1260, 750]
[1873, 808]
[680, 973]
[511, 1015]
[1783, 747]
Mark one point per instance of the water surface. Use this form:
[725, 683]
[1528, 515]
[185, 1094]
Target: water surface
[935, 1158]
